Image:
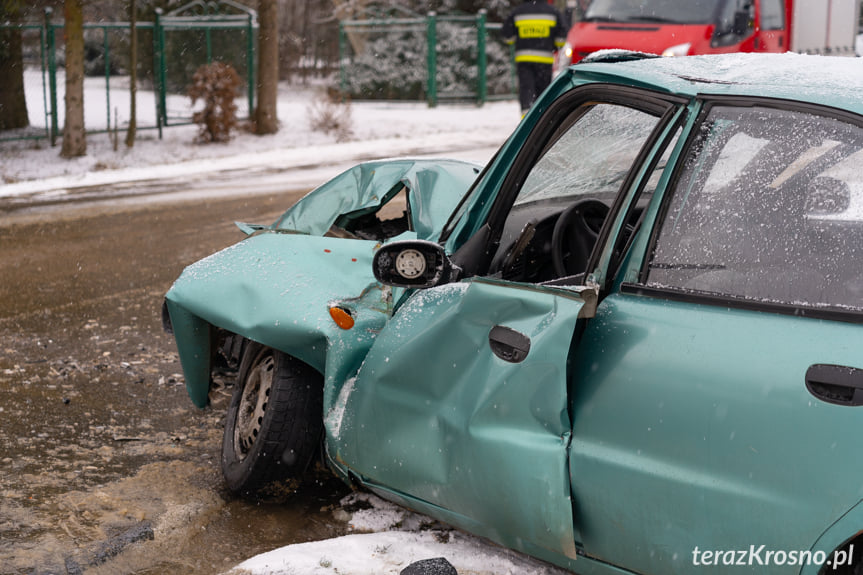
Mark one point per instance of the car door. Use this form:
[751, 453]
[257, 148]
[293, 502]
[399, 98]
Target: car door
[772, 30]
[461, 408]
[461, 405]
[718, 389]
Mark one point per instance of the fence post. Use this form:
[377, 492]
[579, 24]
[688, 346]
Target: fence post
[343, 75]
[209, 43]
[431, 51]
[513, 76]
[159, 78]
[250, 64]
[43, 61]
[107, 59]
[52, 74]
[156, 22]
[482, 86]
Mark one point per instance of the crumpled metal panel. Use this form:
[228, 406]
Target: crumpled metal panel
[436, 186]
[192, 335]
[433, 409]
[276, 289]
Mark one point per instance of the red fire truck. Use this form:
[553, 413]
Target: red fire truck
[686, 27]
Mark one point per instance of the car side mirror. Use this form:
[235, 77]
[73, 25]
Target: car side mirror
[413, 264]
[742, 23]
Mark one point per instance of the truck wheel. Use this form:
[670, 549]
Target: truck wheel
[274, 423]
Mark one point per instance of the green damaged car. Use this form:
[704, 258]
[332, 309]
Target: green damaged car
[630, 344]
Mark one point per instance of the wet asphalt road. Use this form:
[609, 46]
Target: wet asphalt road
[106, 465]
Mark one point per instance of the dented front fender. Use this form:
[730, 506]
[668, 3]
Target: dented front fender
[276, 289]
[276, 286]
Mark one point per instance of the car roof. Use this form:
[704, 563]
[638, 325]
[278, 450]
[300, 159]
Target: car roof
[831, 81]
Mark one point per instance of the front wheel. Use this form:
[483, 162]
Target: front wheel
[274, 423]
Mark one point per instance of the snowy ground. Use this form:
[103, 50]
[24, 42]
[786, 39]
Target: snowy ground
[386, 539]
[377, 129]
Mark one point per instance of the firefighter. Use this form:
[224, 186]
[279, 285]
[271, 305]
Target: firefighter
[537, 30]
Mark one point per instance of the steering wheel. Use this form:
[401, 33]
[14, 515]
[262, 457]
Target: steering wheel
[575, 234]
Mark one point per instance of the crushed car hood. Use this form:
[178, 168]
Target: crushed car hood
[277, 285]
[435, 187]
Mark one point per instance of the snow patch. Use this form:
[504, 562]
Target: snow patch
[398, 538]
[380, 129]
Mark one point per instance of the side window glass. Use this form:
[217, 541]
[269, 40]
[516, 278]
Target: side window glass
[564, 199]
[589, 155]
[734, 22]
[633, 218]
[769, 208]
[772, 15]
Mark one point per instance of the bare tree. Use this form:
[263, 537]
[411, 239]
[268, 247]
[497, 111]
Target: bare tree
[13, 105]
[352, 10]
[266, 118]
[308, 38]
[74, 138]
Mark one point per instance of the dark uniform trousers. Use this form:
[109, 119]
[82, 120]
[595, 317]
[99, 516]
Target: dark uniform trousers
[533, 78]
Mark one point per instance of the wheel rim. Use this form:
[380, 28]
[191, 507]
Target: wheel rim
[253, 404]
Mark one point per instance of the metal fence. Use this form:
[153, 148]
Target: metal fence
[433, 58]
[380, 57]
[195, 35]
[170, 50]
[34, 54]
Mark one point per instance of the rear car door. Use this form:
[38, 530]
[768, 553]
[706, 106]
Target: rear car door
[718, 390]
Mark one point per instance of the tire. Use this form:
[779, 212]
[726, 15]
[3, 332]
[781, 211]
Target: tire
[851, 549]
[274, 423]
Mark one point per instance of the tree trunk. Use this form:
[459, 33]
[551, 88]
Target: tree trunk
[133, 75]
[74, 139]
[13, 104]
[266, 119]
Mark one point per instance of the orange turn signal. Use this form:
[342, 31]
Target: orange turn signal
[342, 317]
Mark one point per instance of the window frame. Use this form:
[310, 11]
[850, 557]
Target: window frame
[661, 105]
[708, 102]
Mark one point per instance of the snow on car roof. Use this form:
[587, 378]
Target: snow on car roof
[828, 80]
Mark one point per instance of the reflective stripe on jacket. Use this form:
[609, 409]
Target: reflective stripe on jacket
[539, 56]
[537, 30]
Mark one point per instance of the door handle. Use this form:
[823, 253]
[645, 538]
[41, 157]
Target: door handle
[508, 344]
[835, 384]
